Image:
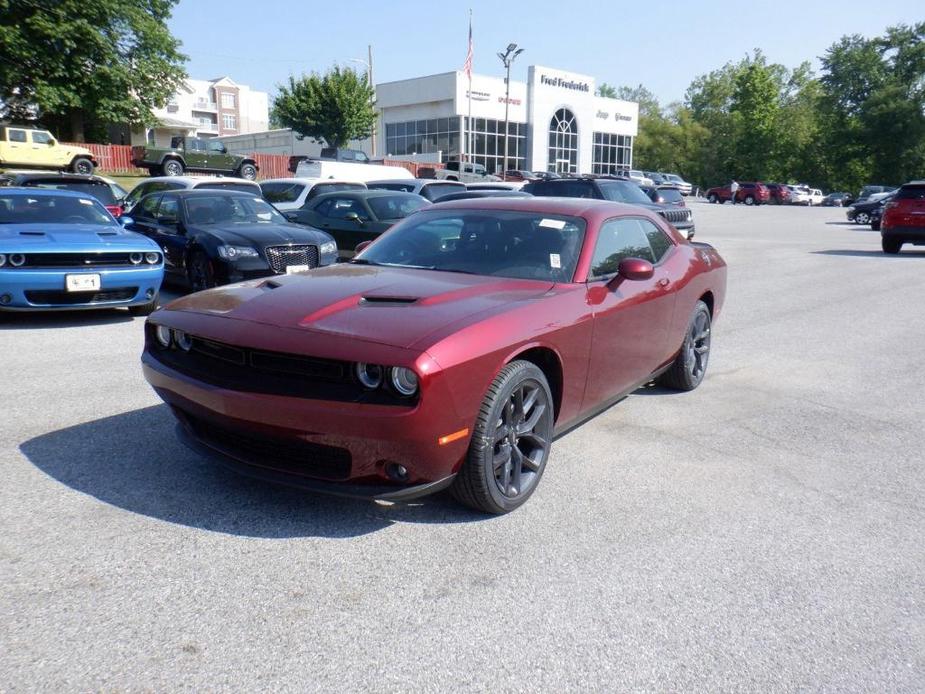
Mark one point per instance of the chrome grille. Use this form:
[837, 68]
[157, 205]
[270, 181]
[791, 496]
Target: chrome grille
[676, 216]
[281, 257]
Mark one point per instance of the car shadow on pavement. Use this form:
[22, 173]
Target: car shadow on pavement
[871, 254]
[44, 320]
[135, 462]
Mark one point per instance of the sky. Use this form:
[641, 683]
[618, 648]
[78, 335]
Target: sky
[663, 45]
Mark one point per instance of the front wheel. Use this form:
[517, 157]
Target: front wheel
[248, 171]
[144, 309]
[891, 246]
[862, 218]
[510, 442]
[82, 165]
[173, 167]
[201, 274]
[688, 369]
[749, 200]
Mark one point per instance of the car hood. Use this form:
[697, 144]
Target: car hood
[261, 234]
[393, 306]
[41, 238]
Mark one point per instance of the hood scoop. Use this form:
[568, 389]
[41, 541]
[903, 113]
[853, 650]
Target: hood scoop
[31, 233]
[387, 300]
[107, 233]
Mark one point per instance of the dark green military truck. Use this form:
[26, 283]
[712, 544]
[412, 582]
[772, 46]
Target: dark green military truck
[196, 154]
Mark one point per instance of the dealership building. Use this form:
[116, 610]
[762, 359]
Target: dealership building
[555, 122]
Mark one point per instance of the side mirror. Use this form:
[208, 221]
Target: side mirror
[361, 246]
[354, 217]
[635, 269]
[126, 221]
[51, 143]
[291, 216]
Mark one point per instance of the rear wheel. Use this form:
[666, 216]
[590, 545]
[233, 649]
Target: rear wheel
[510, 442]
[891, 246]
[82, 165]
[749, 200]
[688, 369]
[248, 171]
[862, 218]
[712, 198]
[173, 167]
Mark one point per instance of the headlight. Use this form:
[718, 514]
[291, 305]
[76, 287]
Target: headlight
[184, 341]
[17, 259]
[152, 258]
[162, 333]
[370, 375]
[2, 260]
[404, 381]
[236, 252]
[327, 248]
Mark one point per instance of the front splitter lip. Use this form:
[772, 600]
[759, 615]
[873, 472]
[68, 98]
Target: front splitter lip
[344, 489]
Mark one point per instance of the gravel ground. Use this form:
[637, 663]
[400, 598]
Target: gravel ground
[764, 532]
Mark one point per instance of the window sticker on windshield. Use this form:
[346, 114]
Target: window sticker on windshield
[86, 202]
[553, 224]
[554, 260]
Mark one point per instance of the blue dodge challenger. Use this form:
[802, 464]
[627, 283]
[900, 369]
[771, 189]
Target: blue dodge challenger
[62, 250]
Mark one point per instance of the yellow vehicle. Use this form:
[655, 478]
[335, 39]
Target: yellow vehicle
[23, 147]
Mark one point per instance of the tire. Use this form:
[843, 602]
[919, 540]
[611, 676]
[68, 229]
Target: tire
[891, 246]
[862, 218]
[248, 171]
[749, 200]
[688, 369]
[144, 309]
[711, 198]
[82, 165]
[172, 167]
[200, 273]
[498, 475]
[452, 178]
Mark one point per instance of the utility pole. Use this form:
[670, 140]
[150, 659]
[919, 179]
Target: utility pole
[372, 88]
[507, 58]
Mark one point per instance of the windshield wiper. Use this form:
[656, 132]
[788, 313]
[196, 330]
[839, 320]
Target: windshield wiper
[362, 261]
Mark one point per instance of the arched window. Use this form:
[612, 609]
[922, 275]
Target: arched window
[563, 142]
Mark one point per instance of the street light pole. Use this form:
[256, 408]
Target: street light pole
[507, 58]
[369, 79]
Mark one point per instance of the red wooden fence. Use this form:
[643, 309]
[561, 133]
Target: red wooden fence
[117, 159]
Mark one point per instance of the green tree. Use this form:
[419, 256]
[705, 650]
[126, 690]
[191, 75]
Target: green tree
[606, 90]
[755, 111]
[77, 65]
[335, 107]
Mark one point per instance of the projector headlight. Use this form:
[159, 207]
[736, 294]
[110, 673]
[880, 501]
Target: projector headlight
[404, 381]
[162, 332]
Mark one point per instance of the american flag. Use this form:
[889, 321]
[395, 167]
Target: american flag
[467, 66]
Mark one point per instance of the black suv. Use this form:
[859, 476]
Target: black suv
[615, 190]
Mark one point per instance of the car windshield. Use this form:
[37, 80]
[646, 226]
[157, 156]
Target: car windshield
[233, 209]
[910, 193]
[396, 206]
[282, 192]
[623, 191]
[52, 209]
[501, 243]
[392, 185]
[219, 185]
[321, 188]
[98, 189]
[670, 194]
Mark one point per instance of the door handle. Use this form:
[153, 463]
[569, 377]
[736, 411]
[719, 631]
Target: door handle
[664, 282]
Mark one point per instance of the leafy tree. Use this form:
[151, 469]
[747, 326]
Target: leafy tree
[335, 107]
[606, 90]
[78, 65]
[755, 110]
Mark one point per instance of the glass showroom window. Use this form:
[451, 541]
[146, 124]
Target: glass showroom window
[488, 144]
[563, 142]
[423, 137]
[613, 154]
[229, 122]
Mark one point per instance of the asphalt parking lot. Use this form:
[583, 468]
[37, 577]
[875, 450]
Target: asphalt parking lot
[765, 532]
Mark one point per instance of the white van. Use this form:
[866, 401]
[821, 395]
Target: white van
[346, 171]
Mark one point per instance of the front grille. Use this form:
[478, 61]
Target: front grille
[289, 454]
[281, 257]
[274, 373]
[40, 260]
[58, 297]
[676, 216]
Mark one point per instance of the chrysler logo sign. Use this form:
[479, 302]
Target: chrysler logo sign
[565, 84]
[603, 115]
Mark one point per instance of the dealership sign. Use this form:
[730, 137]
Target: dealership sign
[565, 84]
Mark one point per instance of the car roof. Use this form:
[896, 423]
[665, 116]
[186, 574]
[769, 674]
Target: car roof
[202, 192]
[38, 175]
[307, 181]
[194, 180]
[365, 194]
[45, 192]
[573, 207]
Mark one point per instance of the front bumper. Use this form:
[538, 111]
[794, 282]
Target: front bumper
[40, 289]
[322, 445]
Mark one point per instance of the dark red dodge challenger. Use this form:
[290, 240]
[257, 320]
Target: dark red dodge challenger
[449, 353]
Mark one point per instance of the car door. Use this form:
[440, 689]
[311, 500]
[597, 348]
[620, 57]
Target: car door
[17, 148]
[168, 233]
[195, 155]
[218, 157]
[144, 220]
[631, 317]
[346, 219]
[44, 151]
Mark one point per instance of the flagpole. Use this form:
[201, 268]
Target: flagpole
[469, 129]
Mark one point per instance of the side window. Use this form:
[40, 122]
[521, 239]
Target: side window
[324, 208]
[576, 189]
[16, 135]
[216, 146]
[138, 192]
[148, 207]
[167, 210]
[658, 240]
[619, 239]
[342, 207]
[40, 137]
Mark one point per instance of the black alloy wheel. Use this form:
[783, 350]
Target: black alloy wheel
[173, 167]
[510, 443]
[201, 272]
[862, 218]
[690, 366]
